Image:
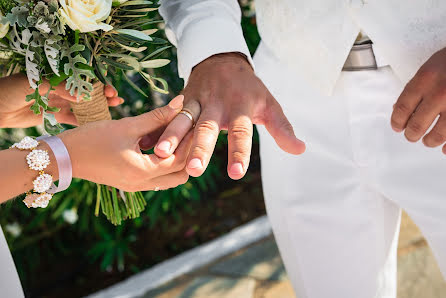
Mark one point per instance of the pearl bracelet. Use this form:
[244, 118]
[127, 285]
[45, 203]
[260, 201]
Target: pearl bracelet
[37, 160]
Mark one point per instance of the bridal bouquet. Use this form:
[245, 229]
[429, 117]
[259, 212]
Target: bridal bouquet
[83, 44]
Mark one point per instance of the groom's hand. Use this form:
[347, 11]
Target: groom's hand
[422, 101]
[232, 98]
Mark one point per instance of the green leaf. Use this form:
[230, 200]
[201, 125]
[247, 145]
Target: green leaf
[137, 2]
[53, 109]
[150, 31]
[130, 60]
[77, 70]
[134, 86]
[156, 52]
[52, 51]
[55, 80]
[157, 40]
[100, 72]
[51, 118]
[147, 9]
[154, 63]
[131, 49]
[141, 23]
[32, 67]
[50, 124]
[134, 33]
[152, 82]
[116, 64]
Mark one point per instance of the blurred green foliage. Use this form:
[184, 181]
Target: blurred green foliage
[70, 215]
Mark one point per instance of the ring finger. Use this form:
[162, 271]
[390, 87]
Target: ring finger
[177, 129]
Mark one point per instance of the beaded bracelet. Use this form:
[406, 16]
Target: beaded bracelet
[63, 162]
[37, 160]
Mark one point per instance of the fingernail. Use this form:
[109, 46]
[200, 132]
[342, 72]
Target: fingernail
[121, 100]
[195, 164]
[236, 169]
[164, 146]
[177, 102]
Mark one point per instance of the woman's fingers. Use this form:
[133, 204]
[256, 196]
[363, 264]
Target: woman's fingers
[66, 117]
[115, 101]
[177, 129]
[157, 166]
[110, 91]
[167, 181]
[147, 123]
[149, 141]
[112, 96]
[60, 91]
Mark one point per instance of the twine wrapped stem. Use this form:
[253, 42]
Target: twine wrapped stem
[92, 110]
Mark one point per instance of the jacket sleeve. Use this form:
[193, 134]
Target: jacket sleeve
[202, 28]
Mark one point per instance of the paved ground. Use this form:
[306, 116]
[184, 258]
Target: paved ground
[258, 272]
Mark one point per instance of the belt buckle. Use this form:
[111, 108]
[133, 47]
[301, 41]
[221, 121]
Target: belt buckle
[361, 57]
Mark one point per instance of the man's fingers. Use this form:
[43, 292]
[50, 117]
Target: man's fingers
[405, 106]
[240, 143]
[173, 135]
[177, 129]
[420, 121]
[205, 137]
[281, 129]
[437, 136]
[154, 120]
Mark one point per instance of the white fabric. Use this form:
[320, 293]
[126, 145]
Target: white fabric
[9, 280]
[335, 210]
[200, 29]
[312, 37]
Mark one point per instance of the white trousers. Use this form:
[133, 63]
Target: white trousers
[335, 210]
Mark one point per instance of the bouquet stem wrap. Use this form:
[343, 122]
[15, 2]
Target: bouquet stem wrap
[95, 109]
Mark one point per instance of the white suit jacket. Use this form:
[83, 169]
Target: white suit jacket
[312, 37]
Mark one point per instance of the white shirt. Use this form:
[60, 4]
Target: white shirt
[313, 37]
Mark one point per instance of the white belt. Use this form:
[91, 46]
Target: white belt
[361, 57]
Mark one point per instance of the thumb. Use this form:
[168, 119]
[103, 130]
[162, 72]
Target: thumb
[281, 130]
[158, 118]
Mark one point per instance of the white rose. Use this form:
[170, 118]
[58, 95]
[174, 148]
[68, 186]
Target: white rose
[86, 15]
[4, 28]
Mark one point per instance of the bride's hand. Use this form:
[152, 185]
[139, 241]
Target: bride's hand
[108, 152]
[15, 112]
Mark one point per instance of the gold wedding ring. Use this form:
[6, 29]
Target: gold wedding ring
[188, 115]
[192, 110]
